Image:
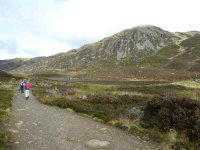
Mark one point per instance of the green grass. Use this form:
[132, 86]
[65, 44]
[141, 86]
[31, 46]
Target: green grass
[85, 88]
[169, 89]
[192, 42]
[186, 61]
[70, 110]
[183, 61]
[4, 138]
[4, 77]
[6, 98]
[163, 55]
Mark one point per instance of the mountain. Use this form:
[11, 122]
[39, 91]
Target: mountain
[11, 64]
[138, 52]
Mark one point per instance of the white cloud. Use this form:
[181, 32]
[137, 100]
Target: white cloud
[5, 55]
[102, 17]
[50, 26]
[42, 45]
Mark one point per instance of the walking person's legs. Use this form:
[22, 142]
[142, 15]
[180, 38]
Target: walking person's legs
[21, 87]
[27, 94]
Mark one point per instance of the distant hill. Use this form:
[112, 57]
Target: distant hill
[143, 51]
[4, 76]
[11, 64]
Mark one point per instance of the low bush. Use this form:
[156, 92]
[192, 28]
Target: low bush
[180, 114]
[180, 146]
[4, 138]
[66, 90]
[104, 106]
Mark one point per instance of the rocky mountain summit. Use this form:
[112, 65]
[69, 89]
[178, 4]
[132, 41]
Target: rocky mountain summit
[139, 47]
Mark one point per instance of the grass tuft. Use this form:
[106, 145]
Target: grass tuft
[70, 110]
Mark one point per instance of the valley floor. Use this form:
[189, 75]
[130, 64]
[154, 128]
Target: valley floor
[36, 126]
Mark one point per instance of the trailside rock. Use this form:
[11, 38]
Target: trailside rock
[97, 143]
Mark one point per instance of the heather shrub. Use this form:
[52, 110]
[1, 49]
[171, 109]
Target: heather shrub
[105, 106]
[66, 90]
[180, 114]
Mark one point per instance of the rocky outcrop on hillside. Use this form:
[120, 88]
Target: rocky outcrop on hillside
[132, 43]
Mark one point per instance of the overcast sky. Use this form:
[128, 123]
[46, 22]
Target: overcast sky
[30, 28]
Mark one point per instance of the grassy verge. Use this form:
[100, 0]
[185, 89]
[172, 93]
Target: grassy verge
[4, 138]
[6, 98]
[5, 103]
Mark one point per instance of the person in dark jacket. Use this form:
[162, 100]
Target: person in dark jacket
[22, 86]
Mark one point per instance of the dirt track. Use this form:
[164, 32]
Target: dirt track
[36, 126]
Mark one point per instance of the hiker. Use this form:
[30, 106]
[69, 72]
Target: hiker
[19, 85]
[22, 86]
[27, 89]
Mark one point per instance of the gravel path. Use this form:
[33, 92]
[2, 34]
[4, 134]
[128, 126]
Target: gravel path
[36, 126]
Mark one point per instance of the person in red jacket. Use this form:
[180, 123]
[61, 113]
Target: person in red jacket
[27, 89]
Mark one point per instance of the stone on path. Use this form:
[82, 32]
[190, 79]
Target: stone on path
[30, 142]
[70, 139]
[17, 142]
[21, 109]
[104, 129]
[19, 124]
[13, 131]
[35, 124]
[97, 143]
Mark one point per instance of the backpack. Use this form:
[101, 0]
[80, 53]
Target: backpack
[27, 86]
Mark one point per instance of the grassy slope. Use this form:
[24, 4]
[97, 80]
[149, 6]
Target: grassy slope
[169, 63]
[174, 62]
[188, 60]
[5, 76]
[6, 97]
[163, 55]
[11, 64]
